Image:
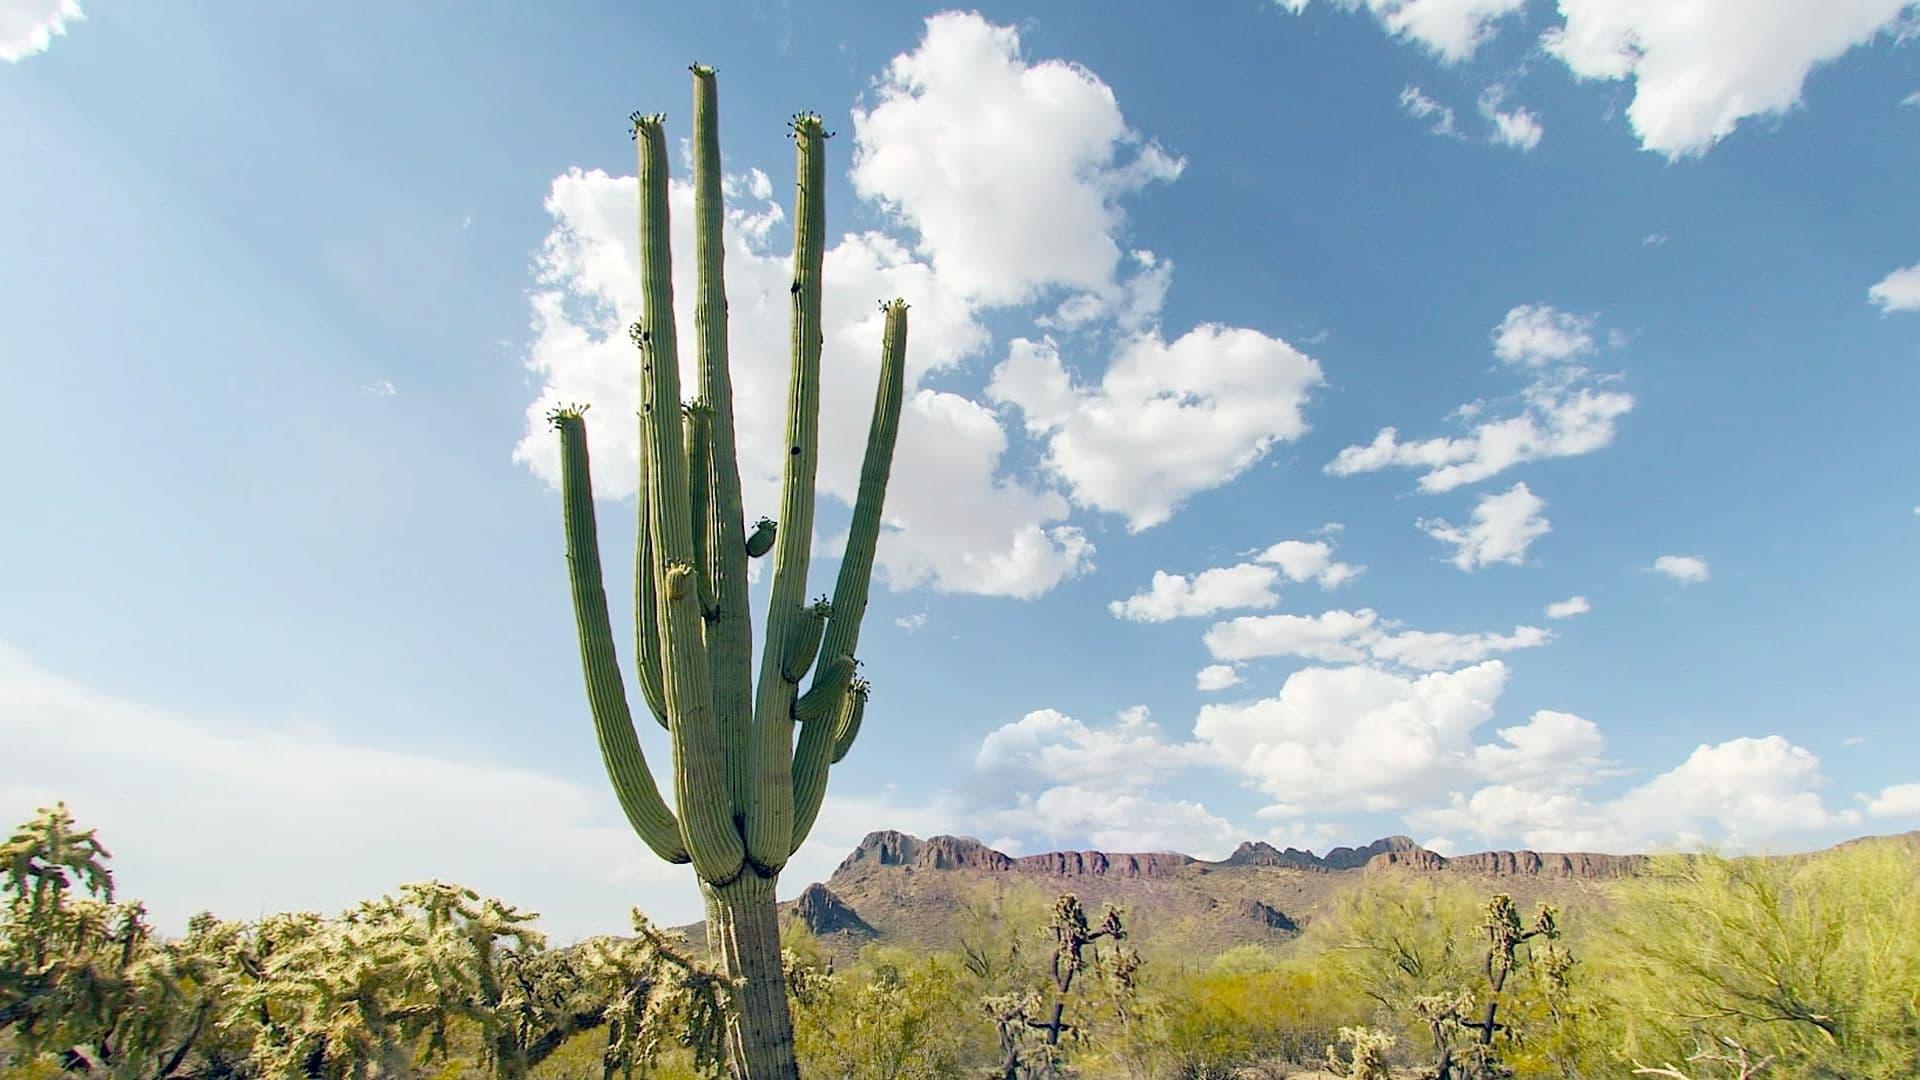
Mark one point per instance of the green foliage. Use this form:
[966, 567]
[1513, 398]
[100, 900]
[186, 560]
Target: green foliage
[1361, 1054]
[431, 977]
[892, 1017]
[1703, 968]
[1815, 961]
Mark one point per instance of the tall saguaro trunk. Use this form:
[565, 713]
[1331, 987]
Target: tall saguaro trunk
[745, 795]
[744, 932]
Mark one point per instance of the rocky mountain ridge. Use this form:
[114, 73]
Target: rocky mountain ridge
[890, 848]
[897, 888]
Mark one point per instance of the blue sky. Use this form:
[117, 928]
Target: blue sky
[1277, 368]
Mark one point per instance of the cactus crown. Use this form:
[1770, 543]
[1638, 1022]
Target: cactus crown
[563, 414]
[803, 124]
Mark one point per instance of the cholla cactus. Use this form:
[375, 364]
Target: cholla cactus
[1366, 1056]
[744, 794]
[1505, 935]
[1071, 936]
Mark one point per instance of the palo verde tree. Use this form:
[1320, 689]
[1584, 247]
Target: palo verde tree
[745, 796]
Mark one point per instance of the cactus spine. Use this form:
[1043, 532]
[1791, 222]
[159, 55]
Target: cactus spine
[744, 798]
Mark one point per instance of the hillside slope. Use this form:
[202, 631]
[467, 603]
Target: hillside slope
[924, 894]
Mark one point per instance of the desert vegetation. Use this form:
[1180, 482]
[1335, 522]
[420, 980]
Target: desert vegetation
[1701, 967]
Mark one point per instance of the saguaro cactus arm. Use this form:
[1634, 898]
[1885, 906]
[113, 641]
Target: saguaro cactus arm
[853, 707]
[646, 606]
[633, 783]
[699, 445]
[700, 786]
[769, 812]
[822, 744]
[729, 626]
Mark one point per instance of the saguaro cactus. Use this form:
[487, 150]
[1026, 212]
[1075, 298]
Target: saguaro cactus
[744, 795]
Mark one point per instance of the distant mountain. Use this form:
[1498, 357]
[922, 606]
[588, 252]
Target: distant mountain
[902, 890]
[916, 892]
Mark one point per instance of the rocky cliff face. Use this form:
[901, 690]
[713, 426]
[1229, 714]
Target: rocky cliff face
[1266, 917]
[1575, 864]
[965, 853]
[890, 848]
[825, 914]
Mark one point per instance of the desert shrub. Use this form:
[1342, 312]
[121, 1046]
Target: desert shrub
[1815, 961]
[893, 1016]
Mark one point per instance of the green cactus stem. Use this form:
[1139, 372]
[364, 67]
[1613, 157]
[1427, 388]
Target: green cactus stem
[606, 694]
[828, 686]
[852, 709]
[743, 798]
[803, 640]
[698, 430]
[820, 748]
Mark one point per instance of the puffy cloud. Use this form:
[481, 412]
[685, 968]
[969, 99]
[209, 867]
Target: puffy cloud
[1415, 103]
[1701, 68]
[1451, 29]
[1898, 291]
[1345, 637]
[1009, 171]
[1535, 335]
[1517, 127]
[1566, 609]
[1425, 650]
[1046, 748]
[1310, 560]
[1686, 569]
[1749, 790]
[1215, 677]
[1503, 527]
[1166, 420]
[1900, 800]
[1565, 411]
[1055, 778]
[1743, 793]
[1172, 596]
[1355, 738]
[1243, 585]
[1551, 750]
[1332, 636]
[1069, 815]
[28, 27]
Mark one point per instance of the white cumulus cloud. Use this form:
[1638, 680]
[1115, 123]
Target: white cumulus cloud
[1700, 68]
[1899, 800]
[1566, 609]
[1172, 596]
[1010, 171]
[1351, 637]
[1565, 410]
[1504, 526]
[1686, 569]
[1517, 127]
[1440, 119]
[1898, 291]
[1166, 420]
[1216, 677]
[28, 27]
[1450, 29]
[1243, 585]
